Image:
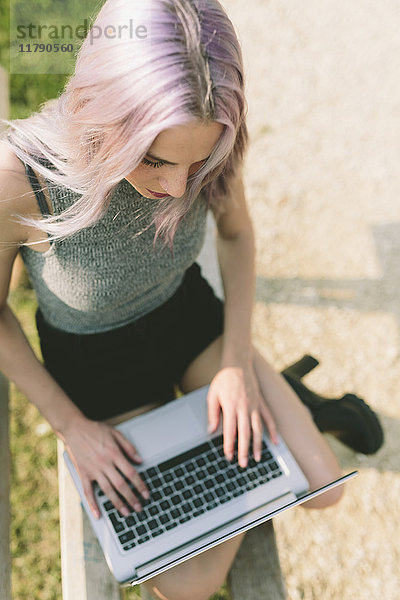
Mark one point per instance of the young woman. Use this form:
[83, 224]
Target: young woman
[147, 135]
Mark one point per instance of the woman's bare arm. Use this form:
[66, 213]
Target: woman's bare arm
[97, 450]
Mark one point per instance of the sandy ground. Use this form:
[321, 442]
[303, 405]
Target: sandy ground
[323, 185]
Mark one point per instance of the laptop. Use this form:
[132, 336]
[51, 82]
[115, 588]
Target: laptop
[198, 499]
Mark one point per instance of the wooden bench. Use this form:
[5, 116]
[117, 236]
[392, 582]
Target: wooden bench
[255, 574]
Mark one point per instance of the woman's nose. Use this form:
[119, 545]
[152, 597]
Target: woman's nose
[175, 184]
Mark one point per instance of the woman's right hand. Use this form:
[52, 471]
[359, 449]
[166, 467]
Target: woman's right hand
[101, 453]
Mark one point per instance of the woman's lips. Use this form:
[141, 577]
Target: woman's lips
[157, 194]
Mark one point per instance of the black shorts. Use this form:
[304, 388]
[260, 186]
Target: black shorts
[109, 373]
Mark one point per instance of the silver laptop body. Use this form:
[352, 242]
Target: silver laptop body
[160, 435]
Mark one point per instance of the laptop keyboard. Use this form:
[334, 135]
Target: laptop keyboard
[187, 486]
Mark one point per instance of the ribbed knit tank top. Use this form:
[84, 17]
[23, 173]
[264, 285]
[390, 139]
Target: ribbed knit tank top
[106, 276]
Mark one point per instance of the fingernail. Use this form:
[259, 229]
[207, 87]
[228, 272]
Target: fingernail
[139, 458]
[96, 514]
[257, 456]
[125, 511]
[229, 457]
[146, 494]
[210, 428]
[137, 507]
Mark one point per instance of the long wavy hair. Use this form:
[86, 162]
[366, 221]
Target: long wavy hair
[122, 94]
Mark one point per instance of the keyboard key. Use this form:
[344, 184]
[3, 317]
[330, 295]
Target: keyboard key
[168, 477]
[141, 529]
[189, 480]
[179, 485]
[198, 512]
[156, 496]
[209, 483]
[118, 525]
[165, 504]
[152, 524]
[152, 472]
[209, 497]
[197, 502]
[164, 519]
[130, 521]
[153, 510]
[175, 513]
[186, 507]
[108, 506]
[211, 469]
[187, 494]
[126, 537]
[198, 489]
[179, 472]
[219, 491]
[168, 490]
[130, 546]
[190, 467]
[156, 482]
[171, 526]
[201, 474]
[184, 519]
[143, 539]
[220, 478]
[176, 499]
[200, 462]
[217, 441]
[156, 533]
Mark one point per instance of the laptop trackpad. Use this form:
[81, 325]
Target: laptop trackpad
[167, 427]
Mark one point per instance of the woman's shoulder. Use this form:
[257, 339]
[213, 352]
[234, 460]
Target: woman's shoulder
[16, 197]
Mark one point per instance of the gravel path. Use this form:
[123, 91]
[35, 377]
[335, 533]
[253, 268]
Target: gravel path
[323, 186]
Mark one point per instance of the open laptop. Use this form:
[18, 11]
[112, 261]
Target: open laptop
[198, 498]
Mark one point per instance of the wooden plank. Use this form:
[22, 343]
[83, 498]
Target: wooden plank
[256, 572]
[5, 557]
[85, 574]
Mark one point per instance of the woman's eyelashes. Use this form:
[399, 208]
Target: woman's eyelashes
[157, 165]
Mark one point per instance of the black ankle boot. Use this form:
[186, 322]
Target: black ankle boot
[349, 418]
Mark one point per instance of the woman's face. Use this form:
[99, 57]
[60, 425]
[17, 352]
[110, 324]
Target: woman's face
[175, 154]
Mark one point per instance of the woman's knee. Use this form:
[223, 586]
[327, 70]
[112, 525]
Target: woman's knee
[191, 582]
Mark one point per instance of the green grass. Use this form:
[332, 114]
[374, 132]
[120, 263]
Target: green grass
[35, 540]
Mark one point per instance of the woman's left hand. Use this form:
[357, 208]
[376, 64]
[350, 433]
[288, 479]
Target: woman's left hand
[235, 389]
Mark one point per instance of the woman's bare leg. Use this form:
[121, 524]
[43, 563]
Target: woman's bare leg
[199, 577]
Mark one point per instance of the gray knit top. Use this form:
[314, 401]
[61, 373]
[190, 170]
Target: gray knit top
[103, 276]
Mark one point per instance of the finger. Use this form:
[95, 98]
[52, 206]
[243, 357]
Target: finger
[257, 427]
[213, 410]
[129, 498]
[129, 471]
[109, 488]
[243, 437]
[270, 423]
[87, 486]
[127, 447]
[229, 432]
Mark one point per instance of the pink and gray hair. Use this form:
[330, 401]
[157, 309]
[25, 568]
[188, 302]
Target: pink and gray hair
[123, 93]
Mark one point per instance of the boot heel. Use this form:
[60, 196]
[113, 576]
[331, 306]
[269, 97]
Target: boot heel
[301, 367]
